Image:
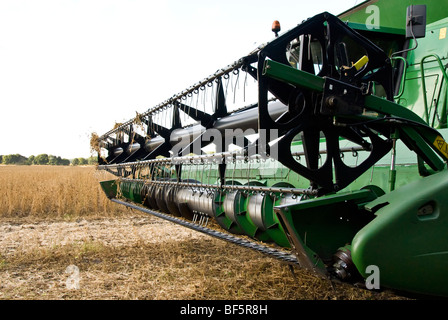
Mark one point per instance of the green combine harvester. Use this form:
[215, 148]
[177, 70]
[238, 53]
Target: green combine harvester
[324, 148]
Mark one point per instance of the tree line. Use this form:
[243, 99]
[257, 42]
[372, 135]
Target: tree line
[45, 159]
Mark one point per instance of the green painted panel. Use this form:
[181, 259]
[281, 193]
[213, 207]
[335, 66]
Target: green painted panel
[407, 239]
[391, 13]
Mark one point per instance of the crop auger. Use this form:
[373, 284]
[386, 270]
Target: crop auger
[339, 163]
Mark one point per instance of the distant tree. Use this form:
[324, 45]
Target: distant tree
[14, 159]
[30, 160]
[54, 160]
[58, 161]
[92, 160]
[80, 161]
[6, 159]
[41, 159]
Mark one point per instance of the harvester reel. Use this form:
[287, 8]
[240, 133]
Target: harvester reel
[308, 117]
[333, 174]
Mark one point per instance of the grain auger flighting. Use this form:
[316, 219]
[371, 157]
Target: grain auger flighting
[323, 148]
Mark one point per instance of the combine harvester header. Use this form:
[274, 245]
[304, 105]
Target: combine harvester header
[324, 148]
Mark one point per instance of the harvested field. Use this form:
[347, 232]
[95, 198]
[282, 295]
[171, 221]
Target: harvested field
[60, 238]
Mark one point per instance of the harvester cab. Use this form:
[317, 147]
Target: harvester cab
[338, 165]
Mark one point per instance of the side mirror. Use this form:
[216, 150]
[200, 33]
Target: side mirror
[416, 22]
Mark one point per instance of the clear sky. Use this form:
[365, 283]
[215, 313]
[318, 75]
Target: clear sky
[72, 67]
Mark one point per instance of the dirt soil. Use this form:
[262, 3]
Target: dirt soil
[144, 257]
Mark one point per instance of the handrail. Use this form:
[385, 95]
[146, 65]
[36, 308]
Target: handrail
[422, 70]
[403, 77]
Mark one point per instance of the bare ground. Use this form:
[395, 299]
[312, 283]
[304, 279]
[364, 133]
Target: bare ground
[137, 256]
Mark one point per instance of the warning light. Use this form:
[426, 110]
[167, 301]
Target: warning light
[276, 27]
